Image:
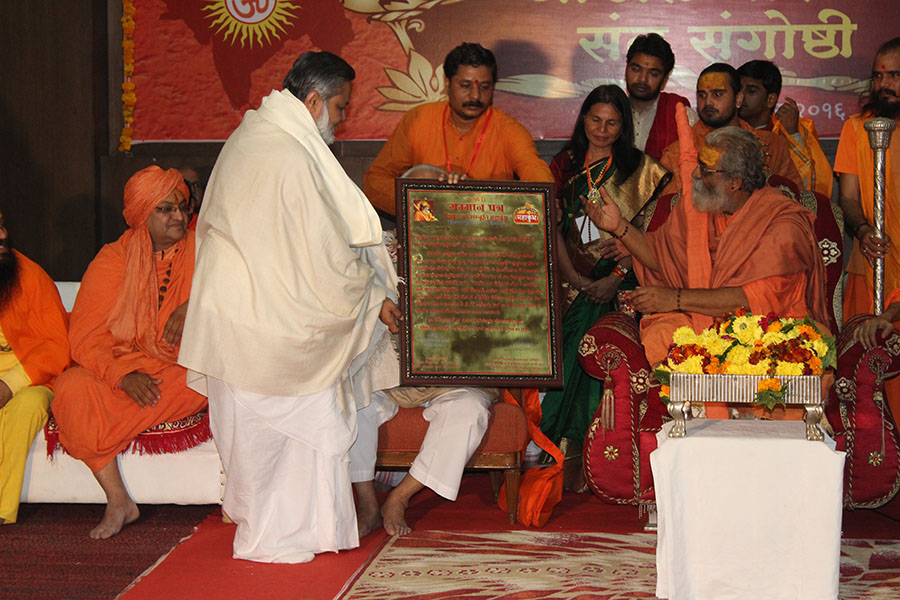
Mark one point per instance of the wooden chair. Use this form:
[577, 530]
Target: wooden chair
[500, 451]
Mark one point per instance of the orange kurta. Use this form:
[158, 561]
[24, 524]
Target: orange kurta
[96, 419]
[34, 323]
[775, 148]
[506, 149]
[808, 157]
[855, 157]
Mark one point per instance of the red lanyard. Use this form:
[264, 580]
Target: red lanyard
[487, 120]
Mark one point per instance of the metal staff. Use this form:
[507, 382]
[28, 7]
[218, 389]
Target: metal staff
[880, 130]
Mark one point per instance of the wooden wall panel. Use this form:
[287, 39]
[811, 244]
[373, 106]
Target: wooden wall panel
[47, 140]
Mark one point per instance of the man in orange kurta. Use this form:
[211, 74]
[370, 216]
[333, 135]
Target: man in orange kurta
[125, 332]
[731, 242]
[761, 86]
[719, 97]
[855, 166]
[464, 135]
[34, 349]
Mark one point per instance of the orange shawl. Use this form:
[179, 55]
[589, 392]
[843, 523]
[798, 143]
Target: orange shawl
[132, 320]
[118, 318]
[34, 323]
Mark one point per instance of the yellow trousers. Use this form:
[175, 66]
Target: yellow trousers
[20, 420]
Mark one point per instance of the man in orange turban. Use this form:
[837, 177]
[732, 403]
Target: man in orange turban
[125, 333]
[33, 351]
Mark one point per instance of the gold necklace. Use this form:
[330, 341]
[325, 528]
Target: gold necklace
[593, 194]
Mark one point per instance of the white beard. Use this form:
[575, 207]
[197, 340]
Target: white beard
[326, 130]
[710, 199]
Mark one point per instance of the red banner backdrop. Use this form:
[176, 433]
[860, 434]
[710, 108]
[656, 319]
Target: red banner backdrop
[199, 64]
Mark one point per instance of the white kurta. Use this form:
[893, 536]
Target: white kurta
[457, 421]
[283, 331]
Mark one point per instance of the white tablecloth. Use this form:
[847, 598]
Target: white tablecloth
[747, 509]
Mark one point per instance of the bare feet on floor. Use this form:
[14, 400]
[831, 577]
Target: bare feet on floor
[394, 513]
[117, 516]
[368, 519]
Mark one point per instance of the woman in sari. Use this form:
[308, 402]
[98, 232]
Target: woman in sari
[600, 153]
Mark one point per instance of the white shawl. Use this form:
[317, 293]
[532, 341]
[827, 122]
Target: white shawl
[285, 296]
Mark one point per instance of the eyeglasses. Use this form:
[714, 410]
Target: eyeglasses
[704, 170]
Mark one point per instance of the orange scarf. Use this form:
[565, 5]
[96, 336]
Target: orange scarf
[133, 320]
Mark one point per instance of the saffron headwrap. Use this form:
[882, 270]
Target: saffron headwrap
[133, 321]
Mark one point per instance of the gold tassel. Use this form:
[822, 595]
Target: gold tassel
[607, 406]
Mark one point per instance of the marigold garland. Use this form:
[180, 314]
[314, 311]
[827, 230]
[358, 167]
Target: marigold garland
[747, 344]
[129, 98]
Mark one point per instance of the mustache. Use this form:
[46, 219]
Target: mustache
[887, 92]
[473, 104]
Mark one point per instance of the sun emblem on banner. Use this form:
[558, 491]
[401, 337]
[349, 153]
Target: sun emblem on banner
[255, 20]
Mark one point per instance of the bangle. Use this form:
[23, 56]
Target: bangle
[620, 271]
[620, 236]
[678, 300]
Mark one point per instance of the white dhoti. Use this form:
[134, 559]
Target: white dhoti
[288, 472]
[457, 421]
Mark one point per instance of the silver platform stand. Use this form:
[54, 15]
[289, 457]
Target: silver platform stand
[685, 388]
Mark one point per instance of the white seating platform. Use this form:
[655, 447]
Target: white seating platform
[194, 476]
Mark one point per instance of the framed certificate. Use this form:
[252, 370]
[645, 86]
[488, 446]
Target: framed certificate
[479, 299]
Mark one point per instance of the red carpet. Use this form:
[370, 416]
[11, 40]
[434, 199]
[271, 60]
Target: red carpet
[202, 566]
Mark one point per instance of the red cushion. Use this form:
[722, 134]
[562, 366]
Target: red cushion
[507, 430]
[862, 428]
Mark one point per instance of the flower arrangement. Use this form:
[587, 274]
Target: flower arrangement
[748, 344]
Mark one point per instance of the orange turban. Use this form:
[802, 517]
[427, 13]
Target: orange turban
[146, 189]
[133, 320]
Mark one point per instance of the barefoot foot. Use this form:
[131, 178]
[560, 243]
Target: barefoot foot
[117, 516]
[394, 513]
[368, 519]
[226, 519]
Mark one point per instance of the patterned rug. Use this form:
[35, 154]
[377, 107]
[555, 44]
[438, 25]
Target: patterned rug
[516, 565]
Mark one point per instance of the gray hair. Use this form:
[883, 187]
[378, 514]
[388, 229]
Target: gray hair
[424, 171]
[741, 156]
[322, 72]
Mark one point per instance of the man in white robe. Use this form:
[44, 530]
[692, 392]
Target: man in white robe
[288, 322]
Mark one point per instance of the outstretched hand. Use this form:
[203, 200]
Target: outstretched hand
[605, 214]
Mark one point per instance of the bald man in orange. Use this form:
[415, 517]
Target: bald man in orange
[34, 349]
[719, 97]
[125, 333]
